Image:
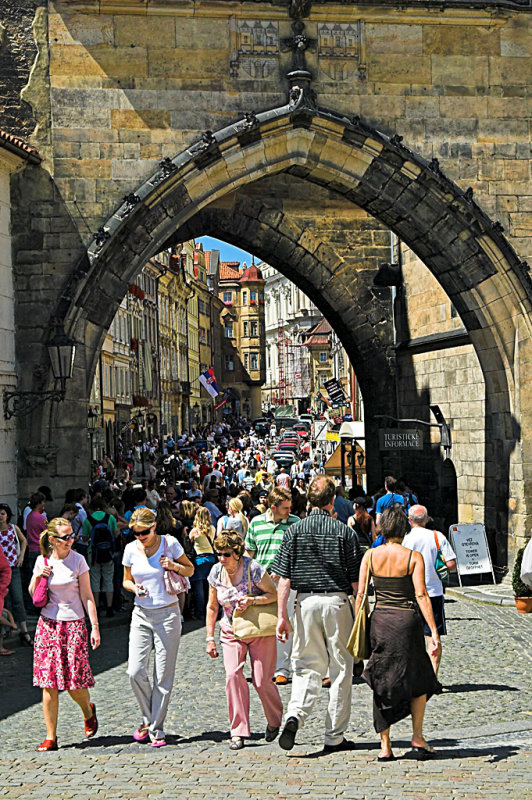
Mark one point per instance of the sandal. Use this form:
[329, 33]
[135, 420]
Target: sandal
[4, 652]
[25, 638]
[158, 743]
[237, 743]
[48, 744]
[91, 724]
[271, 733]
[423, 753]
[141, 734]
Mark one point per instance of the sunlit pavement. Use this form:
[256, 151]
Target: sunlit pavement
[481, 726]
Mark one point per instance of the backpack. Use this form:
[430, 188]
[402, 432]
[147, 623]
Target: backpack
[102, 541]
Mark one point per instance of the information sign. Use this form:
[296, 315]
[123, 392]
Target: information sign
[470, 544]
[404, 439]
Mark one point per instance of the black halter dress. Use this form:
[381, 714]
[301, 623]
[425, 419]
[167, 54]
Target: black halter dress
[399, 667]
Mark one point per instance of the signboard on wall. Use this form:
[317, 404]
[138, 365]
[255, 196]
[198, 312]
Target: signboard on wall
[400, 439]
[470, 544]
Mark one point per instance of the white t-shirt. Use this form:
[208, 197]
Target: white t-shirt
[422, 540]
[149, 572]
[64, 599]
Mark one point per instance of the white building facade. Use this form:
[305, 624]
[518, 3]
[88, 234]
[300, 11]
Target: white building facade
[289, 315]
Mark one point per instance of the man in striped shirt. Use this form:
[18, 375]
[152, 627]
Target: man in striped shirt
[263, 539]
[320, 558]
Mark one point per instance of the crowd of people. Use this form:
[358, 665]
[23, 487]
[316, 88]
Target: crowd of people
[278, 558]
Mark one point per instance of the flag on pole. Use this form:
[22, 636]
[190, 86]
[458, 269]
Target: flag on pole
[208, 381]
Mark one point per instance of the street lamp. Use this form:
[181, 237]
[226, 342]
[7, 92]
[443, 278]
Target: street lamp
[61, 351]
[92, 424]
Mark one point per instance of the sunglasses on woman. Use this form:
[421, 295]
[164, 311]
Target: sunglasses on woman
[225, 555]
[66, 538]
[143, 532]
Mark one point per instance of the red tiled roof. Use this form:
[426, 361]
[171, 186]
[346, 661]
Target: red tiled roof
[251, 274]
[321, 327]
[229, 271]
[317, 340]
[19, 146]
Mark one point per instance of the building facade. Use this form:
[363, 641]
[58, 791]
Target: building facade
[289, 315]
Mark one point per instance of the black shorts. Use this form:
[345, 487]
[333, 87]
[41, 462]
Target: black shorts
[438, 609]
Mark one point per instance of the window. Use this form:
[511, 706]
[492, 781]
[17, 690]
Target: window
[323, 357]
[229, 363]
[244, 298]
[246, 360]
[228, 329]
[201, 336]
[246, 328]
[254, 361]
[254, 328]
[228, 297]
[253, 296]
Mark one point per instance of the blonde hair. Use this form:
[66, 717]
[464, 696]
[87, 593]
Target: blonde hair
[188, 508]
[231, 540]
[51, 531]
[202, 521]
[143, 518]
[235, 505]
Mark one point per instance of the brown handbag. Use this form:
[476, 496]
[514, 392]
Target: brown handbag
[174, 582]
[256, 620]
[358, 643]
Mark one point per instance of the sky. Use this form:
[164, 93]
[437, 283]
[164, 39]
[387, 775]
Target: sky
[227, 251]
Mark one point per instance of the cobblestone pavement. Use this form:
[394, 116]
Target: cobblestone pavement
[481, 725]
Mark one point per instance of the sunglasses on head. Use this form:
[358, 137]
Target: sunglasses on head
[225, 555]
[66, 538]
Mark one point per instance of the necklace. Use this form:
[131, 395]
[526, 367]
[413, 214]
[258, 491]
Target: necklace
[152, 548]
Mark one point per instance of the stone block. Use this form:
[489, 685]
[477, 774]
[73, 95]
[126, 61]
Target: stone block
[87, 168]
[397, 69]
[464, 107]
[507, 130]
[459, 70]
[187, 64]
[516, 38]
[521, 224]
[509, 107]
[392, 39]
[140, 118]
[80, 29]
[447, 40]
[513, 71]
[154, 32]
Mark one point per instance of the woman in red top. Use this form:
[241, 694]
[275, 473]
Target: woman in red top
[13, 543]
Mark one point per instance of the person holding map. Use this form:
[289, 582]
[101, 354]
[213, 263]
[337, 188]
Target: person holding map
[427, 542]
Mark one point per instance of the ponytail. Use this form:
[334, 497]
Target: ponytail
[52, 529]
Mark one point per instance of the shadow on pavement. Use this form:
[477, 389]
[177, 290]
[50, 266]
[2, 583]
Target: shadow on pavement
[455, 688]
[17, 670]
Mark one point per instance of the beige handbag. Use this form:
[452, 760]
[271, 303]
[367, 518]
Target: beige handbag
[358, 642]
[255, 620]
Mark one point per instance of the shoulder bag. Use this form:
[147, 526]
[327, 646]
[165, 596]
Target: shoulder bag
[440, 565]
[358, 643]
[174, 582]
[40, 595]
[255, 620]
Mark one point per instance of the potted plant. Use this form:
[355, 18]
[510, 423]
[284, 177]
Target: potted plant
[522, 592]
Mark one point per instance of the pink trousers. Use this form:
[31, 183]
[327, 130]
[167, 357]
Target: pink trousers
[263, 656]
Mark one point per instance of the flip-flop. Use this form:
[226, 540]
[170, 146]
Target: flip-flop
[6, 652]
[423, 753]
[158, 743]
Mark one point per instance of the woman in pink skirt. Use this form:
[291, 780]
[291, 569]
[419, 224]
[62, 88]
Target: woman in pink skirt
[61, 648]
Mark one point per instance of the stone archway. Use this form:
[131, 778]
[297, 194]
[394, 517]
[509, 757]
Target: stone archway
[462, 247]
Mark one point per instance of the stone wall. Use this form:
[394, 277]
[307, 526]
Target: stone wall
[17, 53]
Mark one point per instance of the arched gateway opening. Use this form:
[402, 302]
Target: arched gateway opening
[235, 184]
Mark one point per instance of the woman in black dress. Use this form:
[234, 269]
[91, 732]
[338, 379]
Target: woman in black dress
[399, 670]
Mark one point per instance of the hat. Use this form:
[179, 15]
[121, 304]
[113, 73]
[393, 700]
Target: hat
[263, 493]
[142, 518]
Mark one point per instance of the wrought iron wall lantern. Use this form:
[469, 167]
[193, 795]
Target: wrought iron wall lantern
[61, 350]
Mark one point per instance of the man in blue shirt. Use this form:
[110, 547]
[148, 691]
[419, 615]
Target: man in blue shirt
[389, 499]
[342, 506]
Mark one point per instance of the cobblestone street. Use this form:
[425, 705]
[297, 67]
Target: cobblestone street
[481, 725]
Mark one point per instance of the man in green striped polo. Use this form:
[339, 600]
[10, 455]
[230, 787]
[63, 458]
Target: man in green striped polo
[263, 539]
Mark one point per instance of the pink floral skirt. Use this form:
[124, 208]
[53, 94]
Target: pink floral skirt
[61, 655]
